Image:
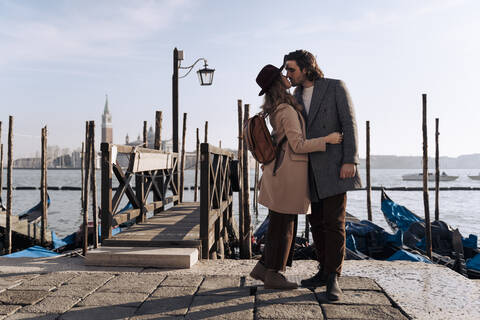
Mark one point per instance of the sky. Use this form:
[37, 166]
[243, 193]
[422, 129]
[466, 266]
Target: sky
[58, 60]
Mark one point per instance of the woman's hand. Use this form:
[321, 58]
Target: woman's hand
[334, 138]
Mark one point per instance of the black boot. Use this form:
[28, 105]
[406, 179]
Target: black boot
[334, 292]
[318, 280]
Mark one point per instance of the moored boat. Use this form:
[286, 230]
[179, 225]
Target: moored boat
[431, 177]
[475, 177]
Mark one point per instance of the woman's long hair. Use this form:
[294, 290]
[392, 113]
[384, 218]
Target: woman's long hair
[278, 94]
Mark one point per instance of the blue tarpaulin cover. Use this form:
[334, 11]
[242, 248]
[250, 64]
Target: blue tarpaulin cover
[474, 263]
[407, 256]
[32, 252]
[398, 217]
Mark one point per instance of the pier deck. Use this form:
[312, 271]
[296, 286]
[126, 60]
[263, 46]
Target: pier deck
[177, 227]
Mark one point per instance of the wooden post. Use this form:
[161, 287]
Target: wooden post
[369, 186]
[247, 243]
[93, 165]
[145, 135]
[437, 171]
[8, 222]
[82, 169]
[1, 161]
[240, 173]
[106, 191]
[220, 144]
[182, 164]
[255, 189]
[205, 204]
[158, 130]
[43, 189]
[86, 188]
[157, 146]
[197, 154]
[206, 132]
[428, 230]
[175, 101]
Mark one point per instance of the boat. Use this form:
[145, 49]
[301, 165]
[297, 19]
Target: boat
[431, 177]
[449, 248]
[34, 214]
[475, 177]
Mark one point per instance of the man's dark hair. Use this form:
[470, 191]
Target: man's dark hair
[305, 60]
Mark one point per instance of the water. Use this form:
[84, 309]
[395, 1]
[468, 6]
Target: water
[458, 208]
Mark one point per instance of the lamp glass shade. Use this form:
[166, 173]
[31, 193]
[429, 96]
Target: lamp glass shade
[205, 76]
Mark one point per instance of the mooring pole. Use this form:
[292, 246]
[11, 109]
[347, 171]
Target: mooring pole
[255, 189]
[182, 164]
[247, 243]
[8, 222]
[145, 135]
[86, 188]
[1, 161]
[157, 146]
[43, 189]
[197, 155]
[206, 132]
[93, 165]
[437, 171]
[369, 185]
[82, 169]
[428, 230]
[240, 175]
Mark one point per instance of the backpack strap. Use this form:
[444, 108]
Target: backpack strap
[277, 155]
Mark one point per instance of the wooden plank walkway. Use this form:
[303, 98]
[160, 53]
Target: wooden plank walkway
[177, 227]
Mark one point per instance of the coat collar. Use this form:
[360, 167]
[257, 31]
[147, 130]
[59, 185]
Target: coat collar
[319, 88]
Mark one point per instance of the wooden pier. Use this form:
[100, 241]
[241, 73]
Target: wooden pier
[202, 229]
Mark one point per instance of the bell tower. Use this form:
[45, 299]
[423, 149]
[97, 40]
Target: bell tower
[107, 130]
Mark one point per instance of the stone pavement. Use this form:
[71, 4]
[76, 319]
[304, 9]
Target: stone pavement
[65, 288]
[150, 295]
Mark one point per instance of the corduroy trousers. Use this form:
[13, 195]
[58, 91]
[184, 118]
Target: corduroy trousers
[327, 222]
[280, 241]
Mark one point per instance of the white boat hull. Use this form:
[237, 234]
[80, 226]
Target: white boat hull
[474, 177]
[431, 177]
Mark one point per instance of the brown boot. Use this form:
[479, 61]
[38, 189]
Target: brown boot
[258, 272]
[276, 280]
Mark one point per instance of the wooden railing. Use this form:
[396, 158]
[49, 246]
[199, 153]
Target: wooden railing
[154, 171]
[216, 200]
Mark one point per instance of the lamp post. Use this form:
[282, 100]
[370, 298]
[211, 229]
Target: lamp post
[205, 76]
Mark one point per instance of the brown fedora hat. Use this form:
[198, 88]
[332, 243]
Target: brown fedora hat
[267, 76]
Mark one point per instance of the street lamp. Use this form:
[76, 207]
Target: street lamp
[205, 76]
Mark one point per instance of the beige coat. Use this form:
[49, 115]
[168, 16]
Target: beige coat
[288, 191]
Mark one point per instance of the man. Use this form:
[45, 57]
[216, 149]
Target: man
[327, 108]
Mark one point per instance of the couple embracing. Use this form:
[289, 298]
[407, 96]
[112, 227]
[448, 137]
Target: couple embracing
[315, 167]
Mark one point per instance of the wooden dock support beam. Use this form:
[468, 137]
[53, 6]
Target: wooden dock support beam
[94, 184]
[428, 230]
[369, 185]
[106, 195]
[182, 163]
[246, 242]
[43, 189]
[197, 155]
[86, 189]
[437, 171]
[8, 222]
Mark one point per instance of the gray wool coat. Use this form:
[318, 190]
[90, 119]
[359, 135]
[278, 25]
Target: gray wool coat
[331, 109]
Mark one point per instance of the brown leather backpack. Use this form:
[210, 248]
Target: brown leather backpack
[259, 140]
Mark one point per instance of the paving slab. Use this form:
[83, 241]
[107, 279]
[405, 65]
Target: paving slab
[358, 283]
[51, 279]
[33, 316]
[133, 282]
[74, 290]
[52, 305]
[168, 292]
[98, 278]
[221, 307]
[298, 296]
[355, 297]
[7, 309]
[289, 311]
[98, 313]
[218, 282]
[29, 287]
[121, 299]
[22, 297]
[156, 317]
[182, 281]
[165, 306]
[362, 312]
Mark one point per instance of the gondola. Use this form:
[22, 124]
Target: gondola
[448, 246]
[34, 213]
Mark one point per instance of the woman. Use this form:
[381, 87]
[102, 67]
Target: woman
[284, 183]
